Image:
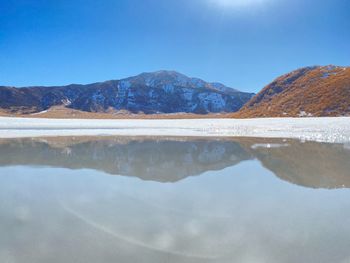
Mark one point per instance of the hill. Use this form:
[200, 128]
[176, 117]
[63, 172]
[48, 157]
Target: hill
[311, 91]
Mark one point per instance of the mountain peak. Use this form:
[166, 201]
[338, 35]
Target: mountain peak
[177, 79]
[161, 74]
[161, 77]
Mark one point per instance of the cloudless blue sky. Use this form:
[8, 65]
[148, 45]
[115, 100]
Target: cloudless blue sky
[245, 46]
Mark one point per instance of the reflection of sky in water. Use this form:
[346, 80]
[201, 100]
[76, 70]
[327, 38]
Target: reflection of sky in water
[242, 213]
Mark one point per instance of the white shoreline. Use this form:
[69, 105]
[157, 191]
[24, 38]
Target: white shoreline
[315, 129]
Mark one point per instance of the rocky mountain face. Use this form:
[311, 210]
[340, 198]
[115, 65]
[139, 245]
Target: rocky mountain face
[157, 92]
[311, 91]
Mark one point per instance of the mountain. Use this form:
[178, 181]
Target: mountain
[157, 92]
[311, 91]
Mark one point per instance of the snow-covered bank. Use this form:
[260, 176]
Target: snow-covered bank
[316, 129]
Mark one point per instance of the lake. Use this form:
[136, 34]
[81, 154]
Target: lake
[159, 199]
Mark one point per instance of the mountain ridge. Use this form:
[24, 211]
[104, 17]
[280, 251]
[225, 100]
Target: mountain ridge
[313, 91]
[153, 92]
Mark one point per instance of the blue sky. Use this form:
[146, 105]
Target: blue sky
[244, 44]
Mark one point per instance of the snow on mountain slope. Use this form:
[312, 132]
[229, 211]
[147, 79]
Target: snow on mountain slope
[157, 92]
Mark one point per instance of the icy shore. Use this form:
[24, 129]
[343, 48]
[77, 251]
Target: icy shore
[315, 129]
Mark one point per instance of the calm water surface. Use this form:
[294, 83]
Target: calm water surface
[82, 200]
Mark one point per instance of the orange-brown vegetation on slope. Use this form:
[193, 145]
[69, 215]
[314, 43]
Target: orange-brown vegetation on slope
[312, 91]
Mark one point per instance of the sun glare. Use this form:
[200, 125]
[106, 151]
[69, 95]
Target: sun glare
[238, 3]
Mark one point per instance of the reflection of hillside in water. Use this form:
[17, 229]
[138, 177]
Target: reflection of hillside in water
[309, 164]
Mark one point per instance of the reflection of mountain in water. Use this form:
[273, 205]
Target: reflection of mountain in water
[162, 161]
[310, 164]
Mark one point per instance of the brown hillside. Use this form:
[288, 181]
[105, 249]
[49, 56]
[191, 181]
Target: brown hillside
[311, 91]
